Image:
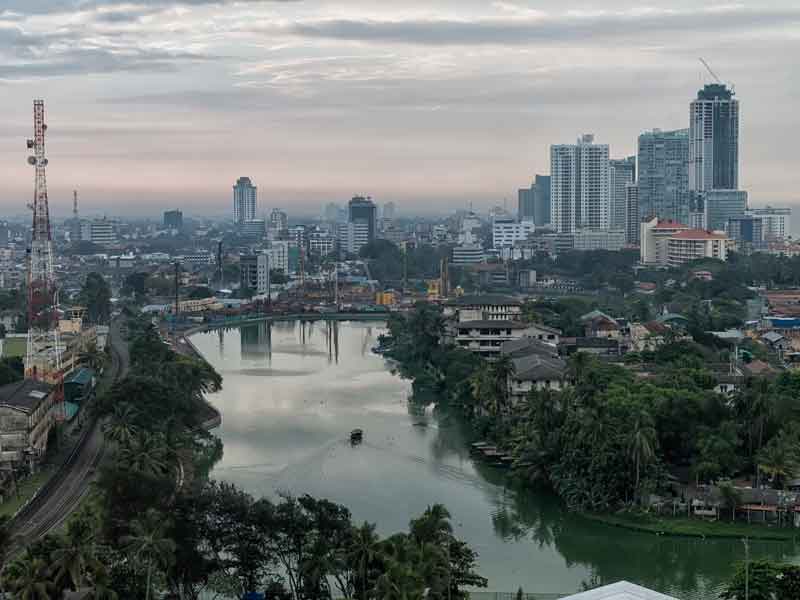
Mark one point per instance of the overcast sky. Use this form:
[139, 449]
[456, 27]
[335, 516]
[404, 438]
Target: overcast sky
[432, 104]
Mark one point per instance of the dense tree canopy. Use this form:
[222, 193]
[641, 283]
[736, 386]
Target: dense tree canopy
[96, 297]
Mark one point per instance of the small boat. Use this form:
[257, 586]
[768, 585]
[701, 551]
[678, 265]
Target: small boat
[356, 436]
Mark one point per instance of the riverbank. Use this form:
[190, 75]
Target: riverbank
[698, 528]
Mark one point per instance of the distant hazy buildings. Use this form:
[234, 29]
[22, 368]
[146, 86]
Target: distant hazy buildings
[774, 222]
[278, 223]
[714, 139]
[279, 255]
[621, 172]
[747, 232]
[579, 187]
[173, 219]
[663, 177]
[599, 239]
[525, 204]
[389, 211]
[253, 229]
[99, 231]
[506, 231]
[361, 226]
[245, 200]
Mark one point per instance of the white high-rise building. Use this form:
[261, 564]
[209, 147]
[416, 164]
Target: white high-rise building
[579, 185]
[774, 222]
[279, 255]
[244, 201]
[714, 140]
[507, 230]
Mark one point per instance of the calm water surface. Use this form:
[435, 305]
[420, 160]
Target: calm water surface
[292, 393]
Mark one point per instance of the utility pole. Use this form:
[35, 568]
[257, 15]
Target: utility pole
[746, 569]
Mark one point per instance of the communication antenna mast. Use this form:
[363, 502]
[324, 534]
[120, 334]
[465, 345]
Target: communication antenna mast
[43, 355]
[75, 204]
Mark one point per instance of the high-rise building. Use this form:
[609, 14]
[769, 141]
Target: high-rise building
[774, 222]
[525, 204]
[541, 200]
[253, 229]
[714, 139]
[747, 232]
[579, 192]
[102, 232]
[389, 211]
[621, 172]
[173, 219]
[632, 218]
[663, 176]
[279, 255]
[362, 216]
[254, 272]
[278, 222]
[723, 205]
[245, 200]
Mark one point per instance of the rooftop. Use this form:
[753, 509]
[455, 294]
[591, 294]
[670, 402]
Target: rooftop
[534, 367]
[621, 590]
[699, 234]
[491, 324]
[525, 346]
[24, 395]
[484, 300]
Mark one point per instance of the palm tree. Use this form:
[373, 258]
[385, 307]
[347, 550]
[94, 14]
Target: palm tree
[72, 560]
[121, 428]
[148, 543]
[147, 453]
[29, 579]
[777, 459]
[363, 551]
[100, 585]
[578, 365]
[433, 527]
[642, 443]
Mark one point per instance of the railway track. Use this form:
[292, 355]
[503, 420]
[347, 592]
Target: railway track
[62, 494]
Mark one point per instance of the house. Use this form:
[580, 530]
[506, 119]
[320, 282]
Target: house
[758, 368]
[484, 307]
[622, 590]
[486, 337]
[776, 342]
[527, 346]
[27, 414]
[598, 324]
[646, 337]
[593, 345]
[538, 372]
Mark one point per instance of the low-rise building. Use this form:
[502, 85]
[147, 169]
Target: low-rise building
[536, 372]
[486, 337]
[27, 414]
[484, 307]
[653, 237]
[598, 324]
[695, 244]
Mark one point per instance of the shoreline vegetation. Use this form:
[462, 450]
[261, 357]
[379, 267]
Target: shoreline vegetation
[610, 440]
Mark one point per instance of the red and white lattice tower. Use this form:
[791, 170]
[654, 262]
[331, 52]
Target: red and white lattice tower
[43, 358]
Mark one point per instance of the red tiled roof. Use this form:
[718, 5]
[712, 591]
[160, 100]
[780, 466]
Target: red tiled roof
[699, 234]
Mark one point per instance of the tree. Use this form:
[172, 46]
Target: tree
[28, 578]
[777, 459]
[148, 544]
[76, 555]
[146, 453]
[92, 357]
[121, 427]
[96, 296]
[642, 443]
[362, 552]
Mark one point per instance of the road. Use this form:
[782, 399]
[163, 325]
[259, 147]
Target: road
[62, 494]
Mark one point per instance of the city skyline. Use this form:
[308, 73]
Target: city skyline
[451, 104]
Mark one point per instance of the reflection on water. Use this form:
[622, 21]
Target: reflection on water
[292, 393]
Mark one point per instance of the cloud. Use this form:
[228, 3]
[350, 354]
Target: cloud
[571, 27]
[43, 7]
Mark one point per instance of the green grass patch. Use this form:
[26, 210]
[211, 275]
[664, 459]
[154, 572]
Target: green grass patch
[686, 527]
[27, 488]
[16, 346]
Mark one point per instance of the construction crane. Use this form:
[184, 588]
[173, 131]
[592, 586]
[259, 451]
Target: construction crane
[715, 76]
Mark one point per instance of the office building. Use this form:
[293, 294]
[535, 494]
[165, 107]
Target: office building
[722, 206]
[663, 175]
[579, 187]
[774, 221]
[714, 139]
[173, 219]
[653, 237]
[278, 223]
[254, 273]
[747, 232]
[254, 229]
[632, 218]
[525, 204]
[361, 224]
[599, 239]
[507, 230]
[321, 243]
[102, 232]
[467, 254]
[621, 172]
[279, 255]
[695, 244]
[245, 200]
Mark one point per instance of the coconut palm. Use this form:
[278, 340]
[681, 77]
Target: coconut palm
[147, 453]
[642, 443]
[72, 560]
[122, 428]
[433, 527]
[777, 459]
[363, 551]
[29, 579]
[149, 544]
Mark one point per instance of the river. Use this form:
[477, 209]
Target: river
[293, 391]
